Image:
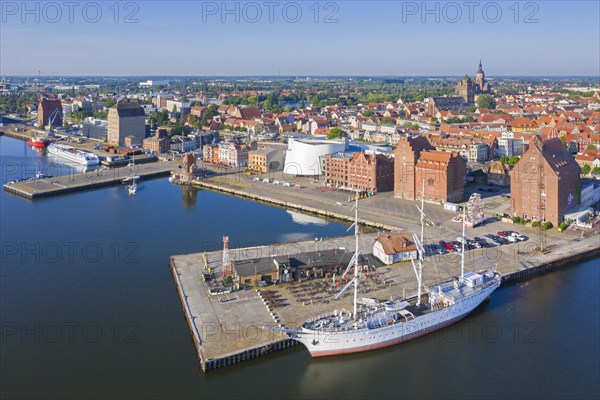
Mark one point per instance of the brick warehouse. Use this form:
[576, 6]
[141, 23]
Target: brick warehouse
[561, 181]
[416, 160]
[367, 172]
[47, 106]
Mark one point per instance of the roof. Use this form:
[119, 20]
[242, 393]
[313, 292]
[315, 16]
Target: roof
[397, 242]
[129, 109]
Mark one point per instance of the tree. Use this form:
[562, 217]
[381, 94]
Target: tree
[108, 103]
[590, 147]
[368, 113]
[335, 133]
[586, 169]
[504, 160]
[596, 171]
[513, 160]
[471, 109]
[564, 142]
[486, 101]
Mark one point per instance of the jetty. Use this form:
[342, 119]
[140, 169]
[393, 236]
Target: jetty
[61, 184]
[225, 327]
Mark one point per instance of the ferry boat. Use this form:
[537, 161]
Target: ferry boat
[37, 142]
[373, 324]
[74, 154]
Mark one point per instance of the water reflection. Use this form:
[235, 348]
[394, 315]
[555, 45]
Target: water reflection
[189, 196]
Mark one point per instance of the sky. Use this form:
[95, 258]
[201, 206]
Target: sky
[301, 38]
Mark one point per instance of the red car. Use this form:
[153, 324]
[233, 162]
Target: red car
[449, 247]
[501, 234]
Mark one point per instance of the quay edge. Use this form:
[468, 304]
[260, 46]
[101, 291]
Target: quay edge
[526, 273]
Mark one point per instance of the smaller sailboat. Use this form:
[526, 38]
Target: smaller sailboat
[132, 189]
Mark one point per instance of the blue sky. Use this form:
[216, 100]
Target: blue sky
[361, 38]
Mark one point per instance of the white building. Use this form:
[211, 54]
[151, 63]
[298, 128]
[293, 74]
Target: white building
[590, 193]
[478, 152]
[177, 105]
[149, 108]
[182, 144]
[305, 157]
[394, 248]
[150, 83]
[509, 146]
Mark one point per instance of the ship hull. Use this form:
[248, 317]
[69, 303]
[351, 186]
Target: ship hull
[37, 144]
[322, 344]
[79, 158]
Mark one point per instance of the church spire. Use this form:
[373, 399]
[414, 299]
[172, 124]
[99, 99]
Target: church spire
[480, 67]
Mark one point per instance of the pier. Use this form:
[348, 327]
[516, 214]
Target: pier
[225, 328]
[45, 187]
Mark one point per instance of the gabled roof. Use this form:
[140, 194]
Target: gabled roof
[396, 243]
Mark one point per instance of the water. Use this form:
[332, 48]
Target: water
[89, 309]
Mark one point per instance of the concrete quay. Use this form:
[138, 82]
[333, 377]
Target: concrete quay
[38, 188]
[225, 328]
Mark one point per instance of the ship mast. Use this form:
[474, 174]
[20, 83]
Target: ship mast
[356, 252]
[464, 239]
[418, 268]
[353, 261]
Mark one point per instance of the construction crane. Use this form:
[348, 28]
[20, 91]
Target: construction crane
[53, 117]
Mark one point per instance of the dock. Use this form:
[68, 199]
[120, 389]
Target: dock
[45, 187]
[225, 328]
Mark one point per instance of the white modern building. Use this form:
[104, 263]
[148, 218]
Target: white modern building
[305, 157]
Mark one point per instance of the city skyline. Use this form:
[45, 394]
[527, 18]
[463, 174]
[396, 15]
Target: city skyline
[348, 39]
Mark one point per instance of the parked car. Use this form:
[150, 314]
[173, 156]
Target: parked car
[519, 237]
[512, 239]
[501, 234]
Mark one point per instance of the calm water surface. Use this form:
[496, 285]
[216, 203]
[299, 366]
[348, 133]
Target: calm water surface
[89, 309]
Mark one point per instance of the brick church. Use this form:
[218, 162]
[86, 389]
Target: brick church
[468, 88]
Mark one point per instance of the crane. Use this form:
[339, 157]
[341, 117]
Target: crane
[53, 117]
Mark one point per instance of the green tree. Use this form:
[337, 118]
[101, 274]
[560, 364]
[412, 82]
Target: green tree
[108, 103]
[590, 147]
[486, 101]
[586, 169]
[564, 142]
[335, 133]
[368, 113]
[504, 160]
[471, 109]
[596, 171]
[513, 160]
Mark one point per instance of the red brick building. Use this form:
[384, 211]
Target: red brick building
[366, 172]
[47, 105]
[560, 174]
[443, 172]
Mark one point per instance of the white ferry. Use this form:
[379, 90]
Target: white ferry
[74, 154]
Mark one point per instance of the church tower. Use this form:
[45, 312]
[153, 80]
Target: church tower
[466, 89]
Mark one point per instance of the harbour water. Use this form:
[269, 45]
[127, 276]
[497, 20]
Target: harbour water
[88, 308]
